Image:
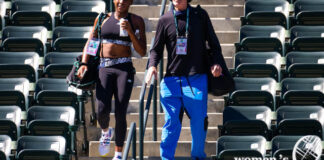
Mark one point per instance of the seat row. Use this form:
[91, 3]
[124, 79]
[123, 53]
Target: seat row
[43, 13]
[276, 12]
[280, 147]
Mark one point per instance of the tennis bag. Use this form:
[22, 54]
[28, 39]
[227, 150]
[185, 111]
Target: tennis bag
[91, 75]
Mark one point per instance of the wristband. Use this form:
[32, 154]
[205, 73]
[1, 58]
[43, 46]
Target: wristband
[81, 64]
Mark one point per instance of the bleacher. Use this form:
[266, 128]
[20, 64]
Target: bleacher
[278, 69]
[277, 63]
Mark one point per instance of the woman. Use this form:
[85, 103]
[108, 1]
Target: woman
[116, 72]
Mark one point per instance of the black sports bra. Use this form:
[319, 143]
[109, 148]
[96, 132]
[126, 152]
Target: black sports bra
[110, 31]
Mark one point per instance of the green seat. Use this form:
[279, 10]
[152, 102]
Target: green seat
[5, 147]
[305, 64]
[19, 65]
[300, 120]
[10, 117]
[24, 39]
[262, 38]
[59, 64]
[2, 14]
[247, 120]
[14, 91]
[258, 64]
[53, 120]
[229, 147]
[302, 91]
[40, 147]
[33, 13]
[309, 12]
[274, 12]
[283, 146]
[254, 92]
[70, 39]
[81, 13]
[307, 38]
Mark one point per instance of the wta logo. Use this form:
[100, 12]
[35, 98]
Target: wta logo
[306, 148]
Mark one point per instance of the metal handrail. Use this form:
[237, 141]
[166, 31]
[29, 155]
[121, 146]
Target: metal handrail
[143, 117]
[131, 138]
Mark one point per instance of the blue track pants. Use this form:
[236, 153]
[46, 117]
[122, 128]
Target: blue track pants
[191, 93]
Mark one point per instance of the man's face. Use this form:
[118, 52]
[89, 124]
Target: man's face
[181, 4]
[122, 5]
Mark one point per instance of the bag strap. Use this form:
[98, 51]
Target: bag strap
[101, 18]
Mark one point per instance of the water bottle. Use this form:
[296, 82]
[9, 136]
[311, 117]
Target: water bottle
[123, 32]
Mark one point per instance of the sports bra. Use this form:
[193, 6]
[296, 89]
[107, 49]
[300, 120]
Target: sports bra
[110, 31]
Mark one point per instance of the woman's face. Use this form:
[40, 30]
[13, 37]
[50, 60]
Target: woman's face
[180, 4]
[122, 5]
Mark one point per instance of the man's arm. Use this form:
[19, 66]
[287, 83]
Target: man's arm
[156, 52]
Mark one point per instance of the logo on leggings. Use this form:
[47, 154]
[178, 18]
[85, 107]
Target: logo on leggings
[129, 81]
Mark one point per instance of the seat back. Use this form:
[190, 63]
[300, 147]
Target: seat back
[283, 146]
[10, 117]
[5, 147]
[14, 91]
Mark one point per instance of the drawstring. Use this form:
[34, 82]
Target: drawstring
[190, 85]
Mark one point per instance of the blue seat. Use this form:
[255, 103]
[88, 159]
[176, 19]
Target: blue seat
[247, 120]
[254, 92]
[5, 148]
[302, 91]
[309, 12]
[274, 12]
[14, 91]
[258, 64]
[307, 38]
[262, 39]
[24, 39]
[10, 120]
[305, 64]
[19, 65]
[229, 147]
[300, 120]
[33, 13]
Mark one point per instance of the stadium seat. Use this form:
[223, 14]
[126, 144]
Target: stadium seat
[19, 65]
[229, 147]
[5, 147]
[300, 120]
[81, 13]
[14, 91]
[33, 13]
[305, 64]
[283, 146]
[258, 64]
[302, 91]
[53, 120]
[70, 39]
[261, 38]
[254, 91]
[24, 39]
[309, 12]
[307, 38]
[10, 117]
[41, 147]
[247, 120]
[274, 12]
[59, 64]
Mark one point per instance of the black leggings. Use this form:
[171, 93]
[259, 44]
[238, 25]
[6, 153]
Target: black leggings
[116, 80]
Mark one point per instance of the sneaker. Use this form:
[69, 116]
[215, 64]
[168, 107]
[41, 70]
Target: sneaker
[117, 158]
[104, 145]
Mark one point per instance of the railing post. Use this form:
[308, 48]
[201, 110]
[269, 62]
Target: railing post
[155, 113]
[134, 143]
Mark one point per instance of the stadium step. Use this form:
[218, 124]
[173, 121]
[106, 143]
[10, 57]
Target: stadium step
[152, 149]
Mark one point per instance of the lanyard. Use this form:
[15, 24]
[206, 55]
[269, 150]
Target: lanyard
[176, 22]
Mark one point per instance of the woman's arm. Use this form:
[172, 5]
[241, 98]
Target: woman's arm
[139, 44]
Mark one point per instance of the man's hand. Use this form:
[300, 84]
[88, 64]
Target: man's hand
[151, 71]
[216, 70]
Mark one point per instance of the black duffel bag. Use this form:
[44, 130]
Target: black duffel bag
[90, 77]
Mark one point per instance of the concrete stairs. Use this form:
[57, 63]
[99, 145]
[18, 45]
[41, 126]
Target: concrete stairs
[225, 18]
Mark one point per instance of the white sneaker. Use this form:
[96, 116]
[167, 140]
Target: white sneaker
[104, 145]
[117, 158]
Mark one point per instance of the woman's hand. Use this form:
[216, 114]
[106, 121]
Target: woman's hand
[216, 70]
[152, 71]
[126, 26]
[82, 70]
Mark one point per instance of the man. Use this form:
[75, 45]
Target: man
[184, 30]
